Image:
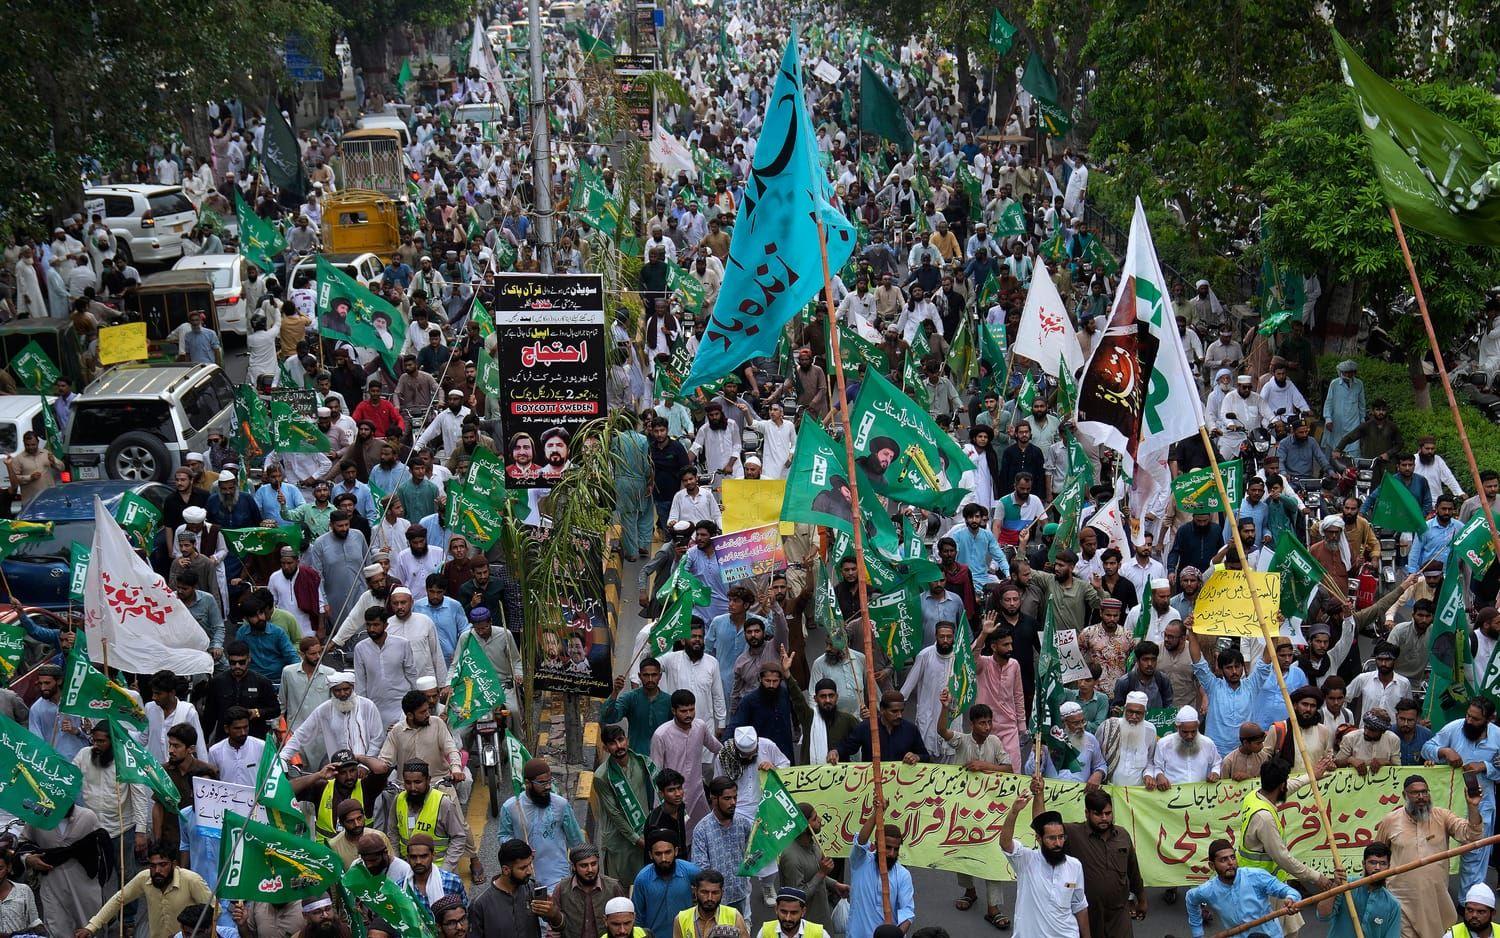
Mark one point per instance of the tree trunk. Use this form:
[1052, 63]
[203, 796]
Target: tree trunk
[1421, 391]
[369, 57]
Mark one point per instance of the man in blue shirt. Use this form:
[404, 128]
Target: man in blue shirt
[663, 888]
[703, 563]
[446, 613]
[1230, 697]
[275, 495]
[1433, 543]
[1379, 911]
[1237, 895]
[270, 647]
[1471, 743]
[197, 344]
[865, 909]
[977, 548]
[1413, 735]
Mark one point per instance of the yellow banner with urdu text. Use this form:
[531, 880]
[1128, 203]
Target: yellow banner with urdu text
[951, 817]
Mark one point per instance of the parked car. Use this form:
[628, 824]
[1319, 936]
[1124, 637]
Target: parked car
[137, 422]
[148, 222]
[229, 275]
[366, 267]
[38, 571]
[18, 413]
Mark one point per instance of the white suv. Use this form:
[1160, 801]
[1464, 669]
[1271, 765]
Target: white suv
[148, 222]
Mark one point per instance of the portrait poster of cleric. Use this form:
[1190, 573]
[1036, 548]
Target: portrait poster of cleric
[549, 346]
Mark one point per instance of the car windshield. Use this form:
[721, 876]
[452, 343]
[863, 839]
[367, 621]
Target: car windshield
[64, 533]
[223, 277]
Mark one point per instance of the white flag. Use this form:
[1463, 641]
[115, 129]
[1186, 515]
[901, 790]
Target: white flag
[1136, 395]
[131, 607]
[482, 58]
[1109, 522]
[669, 153]
[1046, 334]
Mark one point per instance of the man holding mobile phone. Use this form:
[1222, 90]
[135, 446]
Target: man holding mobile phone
[515, 904]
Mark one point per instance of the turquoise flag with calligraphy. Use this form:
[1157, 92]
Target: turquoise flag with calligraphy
[775, 266]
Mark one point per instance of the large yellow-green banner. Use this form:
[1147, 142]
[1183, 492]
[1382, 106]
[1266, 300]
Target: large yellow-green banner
[951, 818]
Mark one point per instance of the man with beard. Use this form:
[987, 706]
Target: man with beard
[1317, 736]
[167, 888]
[343, 778]
[237, 755]
[298, 589]
[447, 425]
[926, 681]
[1091, 764]
[825, 726]
[692, 669]
[385, 669]
[1230, 697]
[719, 443]
[622, 799]
[61, 731]
[899, 738]
[1050, 898]
[124, 811]
[184, 494]
[420, 633]
[1105, 643]
[417, 737]
[1471, 743]
[1382, 688]
[229, 508]
[1237, 895]
[803, 866]
[679, 744]
[809, 383]
[1261, 842]
[773, 710]
[389, 473]
[351, 819]
[344, 723]
[977, 548]
[583, 898]
[430, 883]
[238, 687]
[555, 454]
[182, 765]
[354, 462]
[1184, 756]
[545, 819]
[702, 562]
[318, 921]
[1111, 873]
[1128, 742]
[978, 750]
[1415, 831]
[725, 638]
[866, 911]
[644, 708]
[1073, 600]
[844, 668]
[1478, 912]
[1379, 911]
[337, 556]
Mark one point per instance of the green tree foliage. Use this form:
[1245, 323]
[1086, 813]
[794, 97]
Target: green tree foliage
[1326, 210]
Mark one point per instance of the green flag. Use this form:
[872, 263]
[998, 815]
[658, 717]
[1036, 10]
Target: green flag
[1474, 545]
[292, 432]
[669, 376]
[1070, 500]
[673, 626]
[1396, 508]
[12, 651]
[778, 822]
[880, 111]
[1012, 221]
[474, 516]
[138, 518]
[33, 367]
[390, 902]
[275, 791]
[592, 47]
[817, 491]
[903, 452]
[260, 240]
[1196, 493]
[78, 570]
[281, 156]
[252, 432]
[516, 757]
[1279, 321]
[1067, 389]
[52, 433]
[897, 620]
[963, 682]
[135, 766]
[858, 352]
[1038, 80]
[1054, 249]
[489, 370]
[1026, 393]
[1046, 716]
[36, 784]
[911, 369]
[1097, 254]
[403, 77]
[1002, 34]
[86, 692]
[348, 310]
[683, 582]
[1300, 574]
[1448, 689]
[687, 287]
[963, 354]
[15, 533]
[262, 863]
[477, 689]
[1436, 174]
[992, 351]
[593, 202]
[972, 187]
[257, 542]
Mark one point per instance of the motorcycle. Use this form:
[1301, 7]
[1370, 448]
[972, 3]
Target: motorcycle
[489, 735]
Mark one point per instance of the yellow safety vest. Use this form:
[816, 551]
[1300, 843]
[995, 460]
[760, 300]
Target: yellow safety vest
[809, 930]
[426, 823]
[687, 919]
[326, 825]
[1249, 807]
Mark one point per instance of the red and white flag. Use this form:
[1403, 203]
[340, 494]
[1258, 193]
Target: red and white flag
[130, 606]
[1046, 335]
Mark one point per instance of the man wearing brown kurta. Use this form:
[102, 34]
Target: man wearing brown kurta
[1111, 873]
[1417, 830]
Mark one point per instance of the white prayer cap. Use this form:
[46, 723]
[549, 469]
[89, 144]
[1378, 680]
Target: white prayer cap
[372, 569]
[1186, 715]
[227, 476]
[400, 591]
[1069, 708]
[1137, 697]
[1332, 523]
[194, 457]
[341, 677]
[746, 739]
[194, 515]
[316, 903]
[752, 460]
[424, 683]
[619, 905]
[1161, 583]
[1480, 894]
[1202, 283]
[324, 412]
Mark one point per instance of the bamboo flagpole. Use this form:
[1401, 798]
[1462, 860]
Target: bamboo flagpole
[1286, 696]
[867, 630]
[1442, 370]
[1343, 888]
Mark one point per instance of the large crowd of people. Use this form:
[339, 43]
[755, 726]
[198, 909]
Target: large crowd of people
[341, 652]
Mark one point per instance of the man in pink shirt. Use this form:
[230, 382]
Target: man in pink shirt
[1000, 684]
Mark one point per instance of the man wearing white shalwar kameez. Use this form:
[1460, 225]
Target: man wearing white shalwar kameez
[925, 683]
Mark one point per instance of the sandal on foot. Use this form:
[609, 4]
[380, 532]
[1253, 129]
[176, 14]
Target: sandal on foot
[966, 901]
[999, 920]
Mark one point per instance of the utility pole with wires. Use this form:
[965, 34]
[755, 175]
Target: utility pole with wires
[541, 148]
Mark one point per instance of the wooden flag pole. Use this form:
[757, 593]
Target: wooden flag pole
[872, 695]
[1442, 370]
[1286, 696]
